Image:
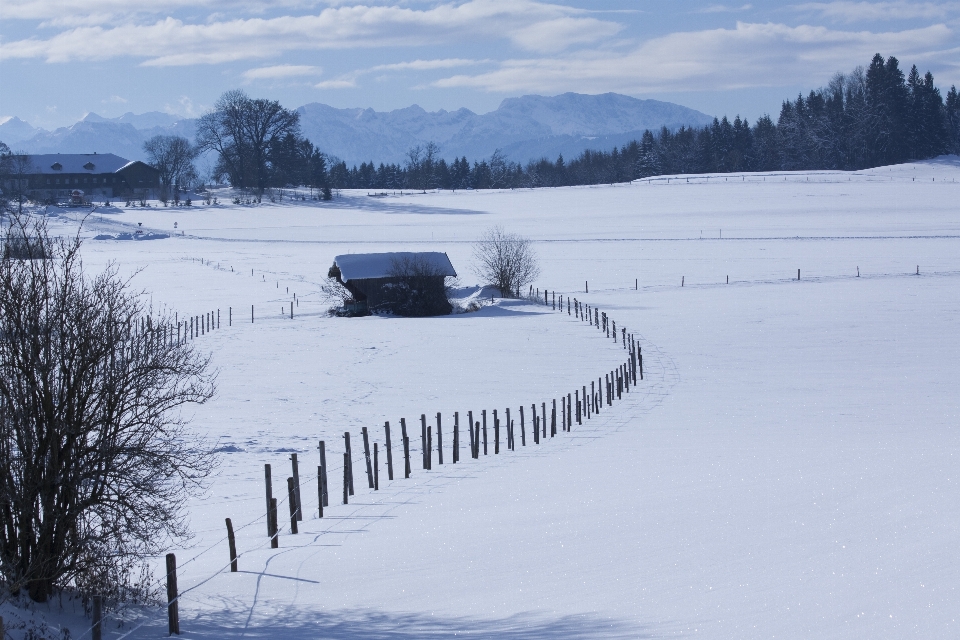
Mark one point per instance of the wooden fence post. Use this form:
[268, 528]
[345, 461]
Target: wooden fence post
[325, 497]
[523, 429]
[536, 424]
[321, 489]
[230, 322]
[543, 412]
[386, 428]
[251, 314]
[576, 396]
[269, 487]
[275, 536]
[406, 447]
[473, 444]
[96, 629]
[173, 611]
[429, 448]
[376, 469]
[346, 479]
[366, 456]
[423, 440]
[456, 437]
[553, 419]
[292, 499]
[439, 441]
[569, 413]
[496, 433]
[296, 485]
[476, 438]
[232, 543]
[349, 468]
[509, 430]
[484, 412]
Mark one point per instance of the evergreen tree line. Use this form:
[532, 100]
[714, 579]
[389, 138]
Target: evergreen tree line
[870, 117]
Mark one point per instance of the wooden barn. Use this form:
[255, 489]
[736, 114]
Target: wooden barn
[406, 283]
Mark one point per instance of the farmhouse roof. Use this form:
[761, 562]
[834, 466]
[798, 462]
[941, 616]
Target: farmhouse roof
[60, 163]
[360, 266]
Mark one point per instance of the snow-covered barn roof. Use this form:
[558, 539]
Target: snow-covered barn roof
[58, 163]
[360, 266]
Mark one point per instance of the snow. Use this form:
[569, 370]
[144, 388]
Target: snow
[358, 266]
[787, 468]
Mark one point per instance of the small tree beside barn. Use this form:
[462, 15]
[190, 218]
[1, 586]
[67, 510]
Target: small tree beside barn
[412, 284]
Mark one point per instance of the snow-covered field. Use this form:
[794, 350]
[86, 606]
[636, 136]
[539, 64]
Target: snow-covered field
[789, 467]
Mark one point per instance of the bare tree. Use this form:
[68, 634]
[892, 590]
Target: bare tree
[96, 461]
[221, 130]
[499, 170]
[15, 171]
[240, 129]
[173, 157]
[506, 261]
[421, 166]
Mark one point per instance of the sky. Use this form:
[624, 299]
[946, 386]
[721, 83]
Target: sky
[61, 59]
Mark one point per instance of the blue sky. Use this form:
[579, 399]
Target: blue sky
[60, 59]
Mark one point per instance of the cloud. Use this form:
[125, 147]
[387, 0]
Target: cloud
[425, 65]
[114, 100]
[846, 11]
[343, 83]
[528, 24]
[750, 55]
[349, 80]
[281, 71]
[185, 108]
[550, 36]
[74, 11]
[722, 8]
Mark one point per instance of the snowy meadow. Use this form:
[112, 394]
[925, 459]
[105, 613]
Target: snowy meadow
[789, 466]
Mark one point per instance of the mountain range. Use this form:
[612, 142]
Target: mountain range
[523, 128]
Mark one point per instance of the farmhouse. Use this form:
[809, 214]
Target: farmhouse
[405, 283]
[53, 177]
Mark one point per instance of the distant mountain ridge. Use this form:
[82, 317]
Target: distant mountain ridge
[524, 128]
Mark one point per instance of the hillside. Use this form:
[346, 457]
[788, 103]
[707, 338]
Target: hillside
[785, 468]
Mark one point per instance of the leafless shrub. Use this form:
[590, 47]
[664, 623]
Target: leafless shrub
[506, 261]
